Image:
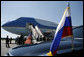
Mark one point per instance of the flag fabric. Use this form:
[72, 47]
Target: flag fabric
[64, 29]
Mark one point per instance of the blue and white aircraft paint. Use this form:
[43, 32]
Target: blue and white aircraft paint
[20, 25]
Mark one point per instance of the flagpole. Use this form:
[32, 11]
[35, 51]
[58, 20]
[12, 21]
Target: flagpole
[72, 31]
[72, 43]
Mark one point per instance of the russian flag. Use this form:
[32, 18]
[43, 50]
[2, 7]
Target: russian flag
[64, 29]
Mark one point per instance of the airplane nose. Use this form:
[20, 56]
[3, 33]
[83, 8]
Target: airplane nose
[4, 25]
[8, 24]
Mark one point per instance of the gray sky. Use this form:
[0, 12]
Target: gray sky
[47, 10]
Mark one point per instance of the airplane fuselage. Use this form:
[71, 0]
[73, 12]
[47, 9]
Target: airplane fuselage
[20, 26]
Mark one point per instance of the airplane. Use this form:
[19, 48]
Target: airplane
[40, 49]
[21, 25]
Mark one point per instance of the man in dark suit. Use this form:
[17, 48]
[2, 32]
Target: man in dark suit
[7, 42]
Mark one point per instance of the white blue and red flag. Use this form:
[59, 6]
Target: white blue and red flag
[64, 29]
